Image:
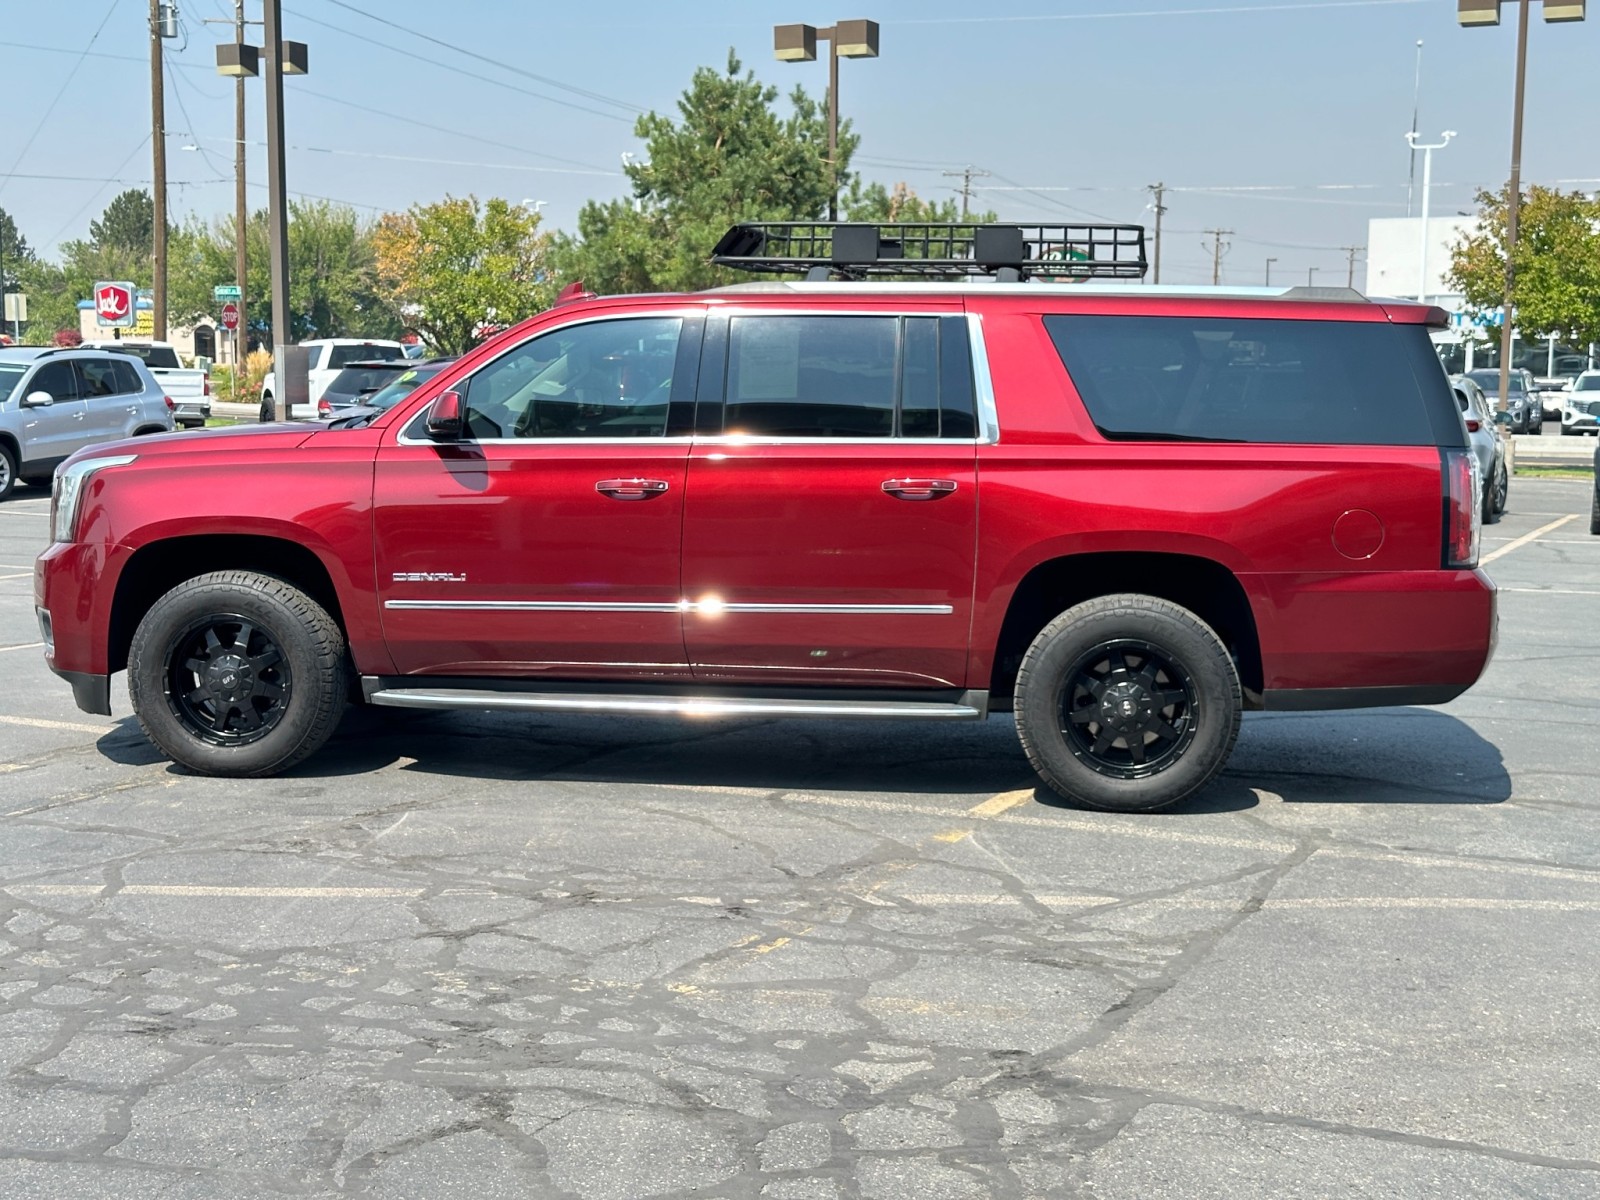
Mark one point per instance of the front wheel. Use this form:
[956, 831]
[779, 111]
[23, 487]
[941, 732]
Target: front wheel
[268, 411]
[1494, 495]
[1127, 703]
[8, 470]
[1594, 512]
[238, 674]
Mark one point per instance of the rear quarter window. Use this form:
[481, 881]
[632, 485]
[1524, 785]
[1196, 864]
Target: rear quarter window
[1219, 379]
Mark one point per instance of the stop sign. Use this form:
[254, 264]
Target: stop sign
[230, 316]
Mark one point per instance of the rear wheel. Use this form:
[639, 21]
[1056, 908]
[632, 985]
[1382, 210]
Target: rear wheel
[8, 470]
[1594, 511]
[235, 673]
[1127, 703]
[268, 411]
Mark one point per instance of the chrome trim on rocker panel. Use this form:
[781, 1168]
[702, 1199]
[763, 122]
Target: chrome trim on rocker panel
[983, 383]
[684, 606]
[972, 706]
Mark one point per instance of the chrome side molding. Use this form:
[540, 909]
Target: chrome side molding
[971, 706]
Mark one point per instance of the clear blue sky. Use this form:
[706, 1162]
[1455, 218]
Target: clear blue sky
[1086, 101]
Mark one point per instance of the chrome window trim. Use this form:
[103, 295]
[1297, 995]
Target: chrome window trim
[983, 383]
[681, 606]
[596, 441]
[740, 439]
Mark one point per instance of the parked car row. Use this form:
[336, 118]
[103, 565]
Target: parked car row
[1580, 411]
[1523, 407]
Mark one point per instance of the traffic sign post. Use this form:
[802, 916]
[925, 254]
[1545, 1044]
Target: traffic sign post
[230, 316]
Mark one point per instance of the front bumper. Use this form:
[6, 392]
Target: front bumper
[1579, 422]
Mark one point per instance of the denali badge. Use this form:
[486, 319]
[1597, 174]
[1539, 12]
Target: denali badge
[430, 577]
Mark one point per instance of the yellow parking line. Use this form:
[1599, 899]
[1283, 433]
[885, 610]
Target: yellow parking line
[41, 723]
[996, 805]
[18, 575]
[1525, 539]
[21, 645]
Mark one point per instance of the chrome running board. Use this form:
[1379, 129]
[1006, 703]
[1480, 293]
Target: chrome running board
[972, 706]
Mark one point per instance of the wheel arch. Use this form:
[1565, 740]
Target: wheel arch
[1202, 585]
[158, 567]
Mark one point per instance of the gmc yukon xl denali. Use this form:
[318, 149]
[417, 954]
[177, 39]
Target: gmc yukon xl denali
[1125, 513]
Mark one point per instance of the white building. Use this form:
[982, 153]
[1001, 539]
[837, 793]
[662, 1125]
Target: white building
[1395, 257]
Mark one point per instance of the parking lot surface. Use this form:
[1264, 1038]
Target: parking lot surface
[501, 956]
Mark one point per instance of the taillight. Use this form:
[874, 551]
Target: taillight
[171, 407]
[324, 409]
[1473, 424]
[207, 385]
[1463, 509]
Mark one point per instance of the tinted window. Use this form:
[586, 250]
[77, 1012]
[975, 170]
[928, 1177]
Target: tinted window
[811, 376]
[402, 385]
[350, 354]
[128, 381]
[58, 379]
[605, 379]
[1217, 379]
[1489, 381]
[1587, 383]
[154, 356]
[352, 381]
[97, 377]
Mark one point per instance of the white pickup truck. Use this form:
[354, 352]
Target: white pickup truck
[329, 356]
[189, 387]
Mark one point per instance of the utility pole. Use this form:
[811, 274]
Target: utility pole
[158, 143]
[241, 206]
[277, 206]
[966, 175]
[1351, 252]
[1218, 248]
[1268, 281]
[1160, 190]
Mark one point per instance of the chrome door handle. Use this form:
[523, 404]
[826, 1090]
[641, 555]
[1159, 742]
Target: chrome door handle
[919, 489]
[631, 489]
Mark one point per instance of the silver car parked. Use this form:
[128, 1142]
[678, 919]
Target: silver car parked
[1477, 411]
[1581, 411]
[55, 402]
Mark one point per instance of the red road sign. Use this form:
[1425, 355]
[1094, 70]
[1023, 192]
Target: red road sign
[230, 316]
[113, 303]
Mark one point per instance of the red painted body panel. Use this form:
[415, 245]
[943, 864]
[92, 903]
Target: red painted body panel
[811, 524]
[523, 524]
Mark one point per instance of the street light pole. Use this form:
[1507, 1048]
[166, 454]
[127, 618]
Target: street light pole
[1487, 12]
[1268, 281]
[158, 188]
[846, 39]
[1427, 149]
[277, 206]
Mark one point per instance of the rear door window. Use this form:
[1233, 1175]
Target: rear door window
[97, 377]
[128, 381]
[1215, 379]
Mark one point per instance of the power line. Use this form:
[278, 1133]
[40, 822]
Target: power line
[434, 62]
[65, 84]
[95, 195]
[483, 58]
[1218, 10]
[435, 162]
[966, 175]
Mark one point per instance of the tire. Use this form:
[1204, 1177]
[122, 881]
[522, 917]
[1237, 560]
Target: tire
[288, 682]
[1127, 635]
[8, 470]
[1494, 495]
[268, 412]
[1594, 511]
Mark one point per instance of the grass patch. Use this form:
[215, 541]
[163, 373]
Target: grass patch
[1532, 472]
[223, 422]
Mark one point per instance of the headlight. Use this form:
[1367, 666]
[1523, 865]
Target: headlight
[68, 490]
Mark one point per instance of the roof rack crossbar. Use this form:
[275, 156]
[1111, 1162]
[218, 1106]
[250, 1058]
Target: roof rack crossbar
[934, 250]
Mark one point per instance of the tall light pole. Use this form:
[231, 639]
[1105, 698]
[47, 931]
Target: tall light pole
[1311, 276]
[846, 39]
[163, 24]
[242, 62]
[1427, 149]
[283, 58]
[1268, 281]
[1487, 12]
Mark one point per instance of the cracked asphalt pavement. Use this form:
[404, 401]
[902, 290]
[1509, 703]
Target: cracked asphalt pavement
[507, 956]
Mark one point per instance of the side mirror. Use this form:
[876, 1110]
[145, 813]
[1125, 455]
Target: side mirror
[38, 400]
[444, 417]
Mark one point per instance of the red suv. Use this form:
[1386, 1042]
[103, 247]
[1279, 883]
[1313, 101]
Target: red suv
[1125, 513]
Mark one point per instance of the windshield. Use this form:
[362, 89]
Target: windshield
[401, 387]
[364, 353]
[10, 374]
[1489, 381]
[1587, 383]
[352, 381]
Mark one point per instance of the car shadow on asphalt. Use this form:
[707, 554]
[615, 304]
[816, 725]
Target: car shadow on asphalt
[1382, 756]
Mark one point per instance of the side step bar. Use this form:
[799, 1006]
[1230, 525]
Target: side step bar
[972, 706]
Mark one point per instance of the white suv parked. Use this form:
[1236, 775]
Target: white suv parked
[55, 402]
[329, 356]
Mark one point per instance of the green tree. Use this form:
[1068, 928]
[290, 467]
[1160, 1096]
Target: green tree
[731, 156]
[1557, 263]
[128, 223]
[448, 269]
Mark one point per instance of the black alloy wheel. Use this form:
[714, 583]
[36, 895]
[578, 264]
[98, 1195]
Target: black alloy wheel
[1494, 494]
[1127, 709]
[268, 411]
[228, 680]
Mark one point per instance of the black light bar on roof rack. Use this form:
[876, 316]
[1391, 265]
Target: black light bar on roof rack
[934, 250]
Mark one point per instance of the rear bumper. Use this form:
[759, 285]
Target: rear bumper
[191, 410]
[1360, 639]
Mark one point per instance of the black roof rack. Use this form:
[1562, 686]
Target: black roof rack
[934, 250]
